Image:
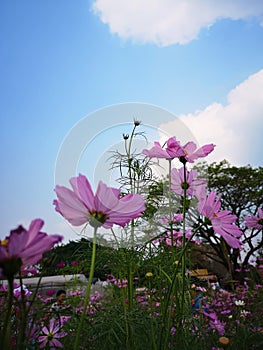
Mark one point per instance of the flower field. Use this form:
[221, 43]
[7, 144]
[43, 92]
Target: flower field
[149, 297]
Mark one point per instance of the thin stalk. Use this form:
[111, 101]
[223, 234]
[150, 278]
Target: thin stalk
[183, 245]
[167, 318]
[128, 152]
[153, 334]
[127, 326]
[24, 314]
[6, 331]
[130, 286]
[170, 199]
[87, 294]
[130, 264]
[132, 189]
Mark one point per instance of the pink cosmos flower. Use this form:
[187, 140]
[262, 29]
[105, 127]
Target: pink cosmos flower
[218, 326]
[166, 219]
[50, 292]
[24, 248]
[51, 336]
[105, 208]
[176, 240]
[222, 221]
[17, 291]
[60, 264]
[178, 183]
[156, 152]
[187, 153]
[255, 221]
[174, 148]
[200, 193]
[63, 319]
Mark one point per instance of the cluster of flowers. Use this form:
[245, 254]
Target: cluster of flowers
[45, 327]
[186, 181]
[106, 208]
[120, 283]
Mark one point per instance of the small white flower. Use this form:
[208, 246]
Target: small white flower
[230, 316]
[239, 302]
[244, 313]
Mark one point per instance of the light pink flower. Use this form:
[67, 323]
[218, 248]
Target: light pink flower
[174, 148]
[17, 291]
[175, 238]
[188, 152]
[25, 247]
[50, 336]
[218, 326]
[166, 220]
[222, 221]
[255, 221]
[156, 152]
[200, 193]
[105, 208]
[178, 183]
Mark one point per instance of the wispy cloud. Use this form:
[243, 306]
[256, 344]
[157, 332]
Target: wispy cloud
[167, 22]
[236, 128]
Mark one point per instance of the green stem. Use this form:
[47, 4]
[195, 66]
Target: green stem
[128, 151]
[183, 245]
[170, 200]
[87, 295]
[6, 332]
[132, 184]
[167, 318]
[130, 286]
[23, 317]
[153, 333]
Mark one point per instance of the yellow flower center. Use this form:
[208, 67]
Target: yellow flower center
[4, 242]
[97, 218]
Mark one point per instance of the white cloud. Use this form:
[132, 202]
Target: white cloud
[235, 128]
[167, 22]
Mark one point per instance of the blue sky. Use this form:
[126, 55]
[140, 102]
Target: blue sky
[63, 60]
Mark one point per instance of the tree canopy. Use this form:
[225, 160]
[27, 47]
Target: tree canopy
[241, 191]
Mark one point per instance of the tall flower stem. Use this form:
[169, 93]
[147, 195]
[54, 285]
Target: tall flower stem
[6, 331]
[24, 313]
[183, 245]
[170, 199]
[132, 186]
[167, 311]
[87, 294]
[128, 152]
[153, 333]
[132, 190]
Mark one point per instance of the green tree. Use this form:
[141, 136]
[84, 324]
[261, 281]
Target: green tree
[241, 190]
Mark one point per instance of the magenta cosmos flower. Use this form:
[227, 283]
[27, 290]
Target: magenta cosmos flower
[50, 336]
[25, 247]
[222, 221]
[105, 208]
[176, 240]
[179, 183]
[187, 153]
[255, 221]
